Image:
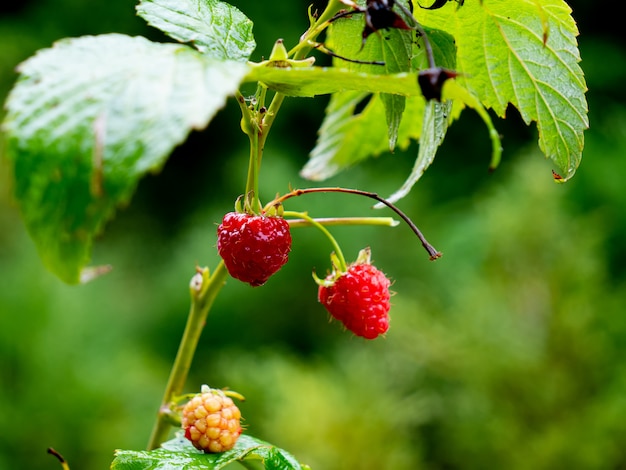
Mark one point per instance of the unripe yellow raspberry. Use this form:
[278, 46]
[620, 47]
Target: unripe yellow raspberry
[212, 422]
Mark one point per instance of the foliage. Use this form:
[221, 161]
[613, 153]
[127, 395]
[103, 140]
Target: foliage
[179, 453]
[112, 156]
[104, 118]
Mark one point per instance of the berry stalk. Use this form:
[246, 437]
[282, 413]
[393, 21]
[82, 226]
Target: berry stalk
[60, 458]
[252, 184]
[203, 289]
[328, 221]
[339, 254]
[432, 251]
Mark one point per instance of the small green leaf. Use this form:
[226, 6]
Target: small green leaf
[90, 116]
[179, 454]
[215, 28]
[524, 53]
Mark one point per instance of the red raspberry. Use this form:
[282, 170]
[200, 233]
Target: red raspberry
[253, 247]
[359, 298]
[211, 421]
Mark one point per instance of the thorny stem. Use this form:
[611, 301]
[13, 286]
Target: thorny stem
[204, 289]
[432, 251]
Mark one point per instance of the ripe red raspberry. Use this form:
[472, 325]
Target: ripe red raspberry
[253, 247]
[211, 421]
[359, 298]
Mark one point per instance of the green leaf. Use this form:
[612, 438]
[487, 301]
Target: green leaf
[215, 28]
[346, 138]
[524, 53]
[435, 124]
[434, 117]
[90, 116]
[394, 109]
[392, 47]
[179, 454]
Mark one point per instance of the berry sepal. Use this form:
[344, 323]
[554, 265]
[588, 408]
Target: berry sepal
[337, 270]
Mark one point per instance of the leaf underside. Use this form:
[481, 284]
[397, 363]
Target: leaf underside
[90, 116]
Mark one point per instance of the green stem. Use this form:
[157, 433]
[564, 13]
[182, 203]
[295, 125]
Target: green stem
[299, 52]
[252, 126]
[270, 116]
[308, 38]
[379, 221]
[252, 184]
[303, 215]
[204, 290]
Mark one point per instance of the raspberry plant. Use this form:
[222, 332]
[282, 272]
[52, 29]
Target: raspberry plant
[90, 116]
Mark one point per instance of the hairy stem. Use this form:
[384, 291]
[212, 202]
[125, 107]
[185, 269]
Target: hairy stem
[204, 290]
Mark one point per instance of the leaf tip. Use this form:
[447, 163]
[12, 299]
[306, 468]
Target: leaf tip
[558, 178]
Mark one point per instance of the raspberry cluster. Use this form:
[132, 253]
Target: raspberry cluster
[212, 422]
[253, 247]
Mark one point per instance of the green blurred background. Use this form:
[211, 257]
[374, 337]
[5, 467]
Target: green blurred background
[509, 352]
